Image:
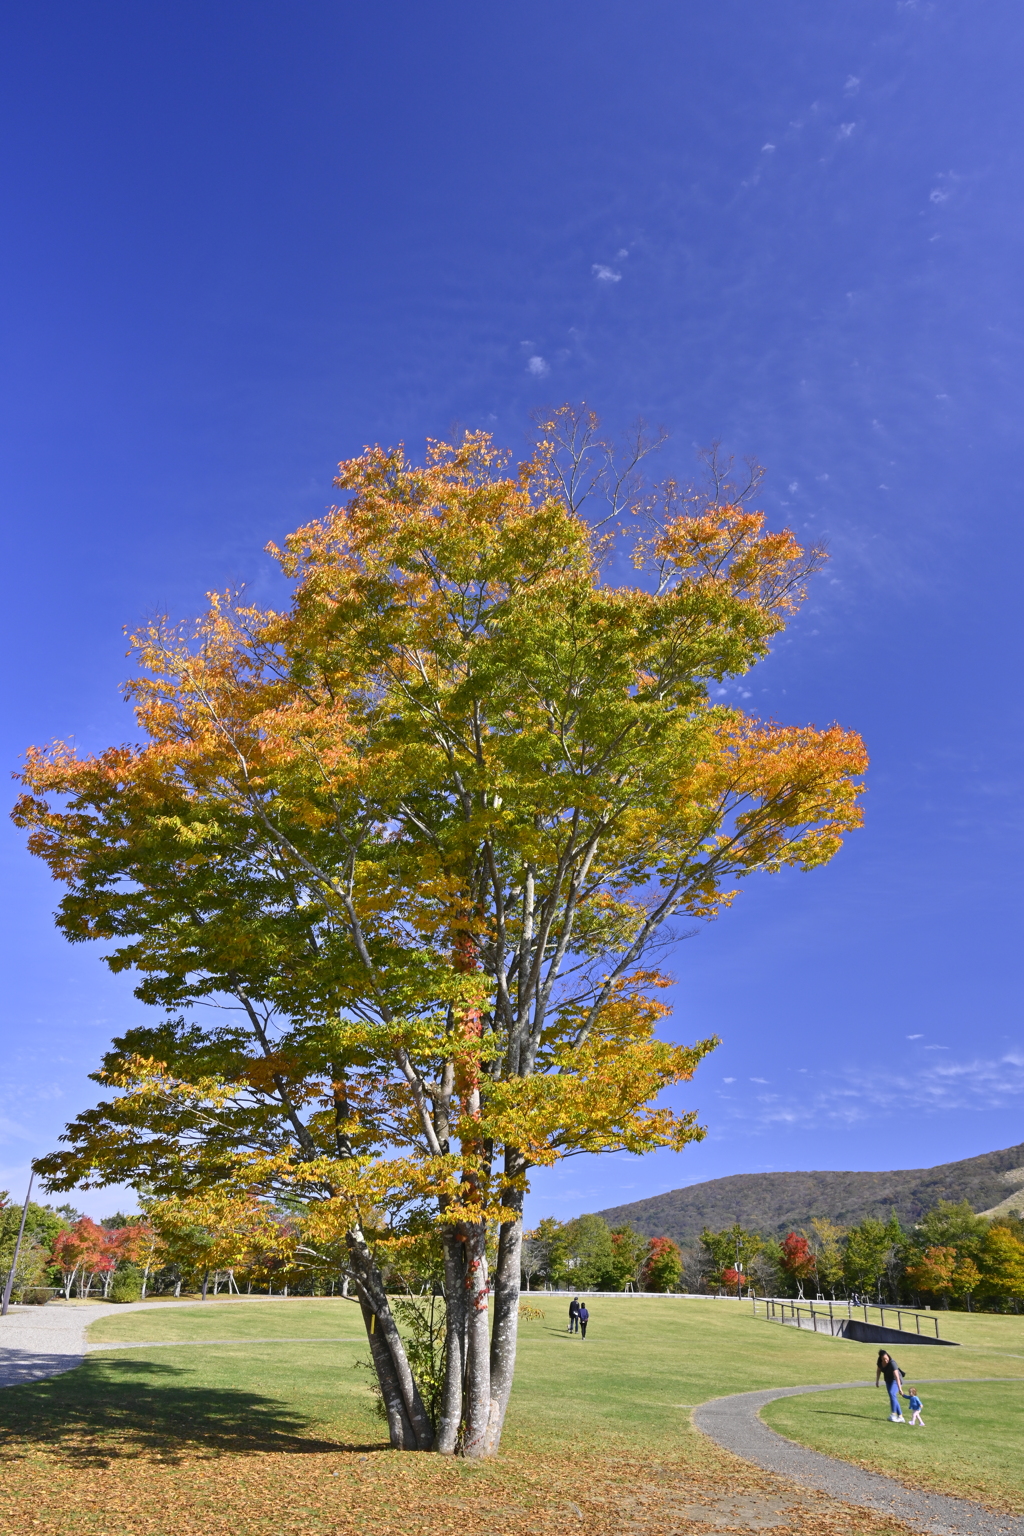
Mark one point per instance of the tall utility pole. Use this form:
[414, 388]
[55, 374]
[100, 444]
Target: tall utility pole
[17, 1248]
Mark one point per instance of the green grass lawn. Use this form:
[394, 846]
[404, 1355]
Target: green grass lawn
[972, 1445]
[643, 1366]
[645, 1363]
[220, 1437]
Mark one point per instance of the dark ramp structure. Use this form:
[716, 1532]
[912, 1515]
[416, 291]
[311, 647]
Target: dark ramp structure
[864, 1323]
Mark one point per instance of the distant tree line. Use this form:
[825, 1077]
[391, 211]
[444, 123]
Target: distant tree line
[950, 1258]
[164, 1252]
[585, 1254]
[65, 1252]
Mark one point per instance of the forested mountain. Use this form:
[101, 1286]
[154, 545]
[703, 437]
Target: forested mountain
[775, 1203]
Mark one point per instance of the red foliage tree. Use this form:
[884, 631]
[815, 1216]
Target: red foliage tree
[797, 1259]
[83, 1250]
[664, 1266]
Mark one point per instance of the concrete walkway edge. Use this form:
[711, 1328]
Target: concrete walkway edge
[735, 1424]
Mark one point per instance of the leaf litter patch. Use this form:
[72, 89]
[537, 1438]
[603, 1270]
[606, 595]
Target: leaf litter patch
[391, 1494]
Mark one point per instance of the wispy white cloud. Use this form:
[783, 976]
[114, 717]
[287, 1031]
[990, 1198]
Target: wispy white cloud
[946, 185]
[10, 1130]
[538, 367]
[857, 1096]
[605, 274]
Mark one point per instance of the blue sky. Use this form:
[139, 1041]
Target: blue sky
[243, 240]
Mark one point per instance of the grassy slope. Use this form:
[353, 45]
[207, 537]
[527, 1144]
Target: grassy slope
[643, 1365]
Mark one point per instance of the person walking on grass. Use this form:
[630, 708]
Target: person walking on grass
[584, 1317]
[915, 1407]
[574, 1314]
[886, 1366]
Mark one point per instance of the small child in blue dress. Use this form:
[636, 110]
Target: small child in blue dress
[915, 1407]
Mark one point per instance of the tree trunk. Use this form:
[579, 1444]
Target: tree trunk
[505, 1330]
[476, 1408]
[403, 1436]
[449, 1419]
[206, 1280]
[381, 1329]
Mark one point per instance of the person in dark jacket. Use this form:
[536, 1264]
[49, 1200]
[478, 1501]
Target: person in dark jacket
[886, 1366]
[584, 1319]
[574, 1314]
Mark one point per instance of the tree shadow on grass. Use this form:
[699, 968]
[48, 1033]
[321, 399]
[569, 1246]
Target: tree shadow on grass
[847, 1413]
[112, 1410]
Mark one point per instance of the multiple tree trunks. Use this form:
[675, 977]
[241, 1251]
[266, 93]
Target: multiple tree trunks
[479, 1359]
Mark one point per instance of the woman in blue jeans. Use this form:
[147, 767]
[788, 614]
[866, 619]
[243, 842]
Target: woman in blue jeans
[886, 1366]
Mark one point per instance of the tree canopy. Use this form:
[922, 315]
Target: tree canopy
[423, 834]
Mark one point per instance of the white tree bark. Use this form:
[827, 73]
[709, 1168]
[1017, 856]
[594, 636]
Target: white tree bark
[505, 1329]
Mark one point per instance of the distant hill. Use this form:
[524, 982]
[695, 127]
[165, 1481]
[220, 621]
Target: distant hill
[775, 1203]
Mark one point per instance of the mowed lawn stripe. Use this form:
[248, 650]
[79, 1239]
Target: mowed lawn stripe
[287, 1318]
[207, 1343]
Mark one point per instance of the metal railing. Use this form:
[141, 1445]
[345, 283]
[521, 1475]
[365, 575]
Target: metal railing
[829, 1316]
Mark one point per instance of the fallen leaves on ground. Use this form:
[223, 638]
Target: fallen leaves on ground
[188, 1492]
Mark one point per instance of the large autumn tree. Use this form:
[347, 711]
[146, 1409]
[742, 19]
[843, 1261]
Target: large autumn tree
[421, 835]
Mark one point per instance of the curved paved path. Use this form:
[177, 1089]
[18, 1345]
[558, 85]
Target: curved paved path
[734, 1422]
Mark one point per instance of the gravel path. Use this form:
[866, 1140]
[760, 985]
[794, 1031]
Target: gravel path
[733, 1422]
